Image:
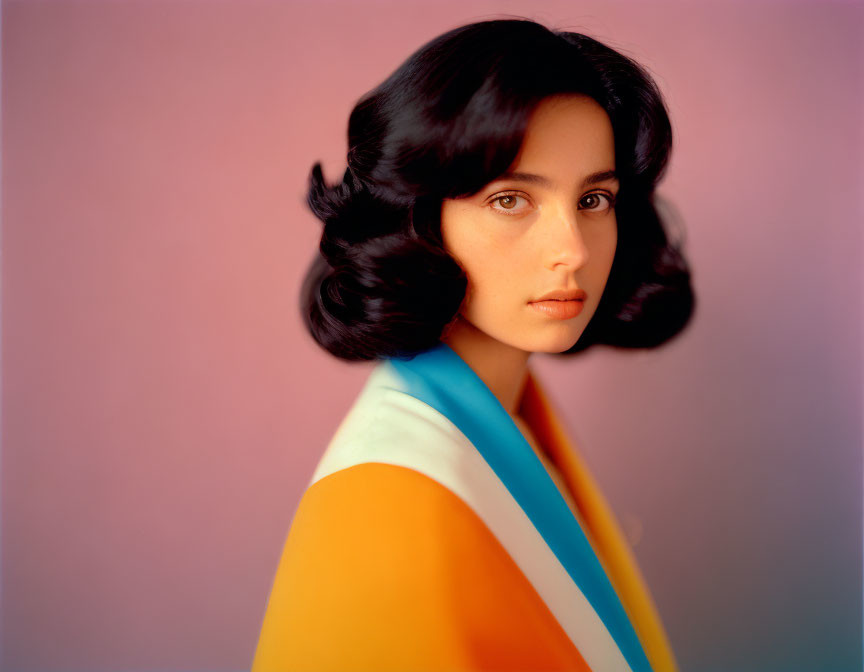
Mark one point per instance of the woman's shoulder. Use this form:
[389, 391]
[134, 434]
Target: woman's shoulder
[386, 567]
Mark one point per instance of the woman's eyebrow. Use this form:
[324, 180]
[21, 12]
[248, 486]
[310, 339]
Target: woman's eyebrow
[531, 178]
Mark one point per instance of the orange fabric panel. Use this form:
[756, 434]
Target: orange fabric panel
[609, 542]
[386, 569]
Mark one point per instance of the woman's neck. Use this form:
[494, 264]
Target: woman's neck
[502, 367]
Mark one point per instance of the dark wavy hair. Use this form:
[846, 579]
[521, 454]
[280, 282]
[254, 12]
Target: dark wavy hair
[448, 121]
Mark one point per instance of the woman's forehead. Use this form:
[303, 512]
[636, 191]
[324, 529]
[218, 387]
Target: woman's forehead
[567, 141]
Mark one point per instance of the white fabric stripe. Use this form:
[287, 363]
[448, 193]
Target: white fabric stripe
[390, 426]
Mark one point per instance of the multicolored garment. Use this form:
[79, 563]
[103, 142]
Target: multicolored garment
[432, 537]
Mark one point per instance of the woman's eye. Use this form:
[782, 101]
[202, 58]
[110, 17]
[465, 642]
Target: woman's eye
[597, 202]
[508, 204]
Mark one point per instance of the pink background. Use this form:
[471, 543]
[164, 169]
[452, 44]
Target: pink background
[163, 407]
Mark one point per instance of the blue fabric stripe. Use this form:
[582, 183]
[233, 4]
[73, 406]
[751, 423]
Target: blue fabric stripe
[440, 378]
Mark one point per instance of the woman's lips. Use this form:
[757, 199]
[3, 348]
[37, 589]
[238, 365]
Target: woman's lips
[559, 310]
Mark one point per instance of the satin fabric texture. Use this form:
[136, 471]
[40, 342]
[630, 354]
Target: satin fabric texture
[432, 537]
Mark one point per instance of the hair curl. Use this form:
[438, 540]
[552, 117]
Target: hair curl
[448, 121]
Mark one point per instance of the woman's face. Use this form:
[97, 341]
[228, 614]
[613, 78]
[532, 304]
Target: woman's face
[547, 226]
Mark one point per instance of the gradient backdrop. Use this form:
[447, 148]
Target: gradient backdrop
[163, 407]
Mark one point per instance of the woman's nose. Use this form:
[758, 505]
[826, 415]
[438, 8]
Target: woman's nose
[565, 242]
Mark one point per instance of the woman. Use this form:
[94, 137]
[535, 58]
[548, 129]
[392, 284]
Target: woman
[498, 202]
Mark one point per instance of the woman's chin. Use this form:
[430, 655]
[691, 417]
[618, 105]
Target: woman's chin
[555, 343]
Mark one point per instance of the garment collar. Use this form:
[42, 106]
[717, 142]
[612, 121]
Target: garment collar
[440, 378]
